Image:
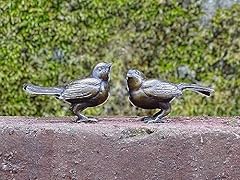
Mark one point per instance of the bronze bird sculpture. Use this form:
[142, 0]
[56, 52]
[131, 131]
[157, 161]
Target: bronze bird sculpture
[157, 94]
[81, 93]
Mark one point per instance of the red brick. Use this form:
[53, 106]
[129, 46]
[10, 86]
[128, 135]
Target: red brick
[119, 148]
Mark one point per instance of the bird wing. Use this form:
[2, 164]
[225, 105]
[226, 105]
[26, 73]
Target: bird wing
[82, 89]
[160, 89]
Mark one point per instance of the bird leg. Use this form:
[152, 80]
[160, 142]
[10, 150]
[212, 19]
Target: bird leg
[147, 118]
[158, 117]
[158, 113]
[76, 109]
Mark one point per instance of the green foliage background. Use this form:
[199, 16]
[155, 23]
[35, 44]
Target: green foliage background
[52, 42]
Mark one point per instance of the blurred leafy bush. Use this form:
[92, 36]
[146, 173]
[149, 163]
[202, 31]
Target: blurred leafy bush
[52, 42]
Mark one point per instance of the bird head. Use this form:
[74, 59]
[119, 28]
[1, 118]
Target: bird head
[134, 79]
[101, 71]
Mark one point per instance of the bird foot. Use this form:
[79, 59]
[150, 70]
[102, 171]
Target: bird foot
[86, 120]
[92, 120]
[156, 120]
[146, 119]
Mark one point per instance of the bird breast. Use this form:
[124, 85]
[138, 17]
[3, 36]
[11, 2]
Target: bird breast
[140, 99]
[103, 92]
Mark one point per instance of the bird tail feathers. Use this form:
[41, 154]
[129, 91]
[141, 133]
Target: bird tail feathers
[33, 89]
[207, 91]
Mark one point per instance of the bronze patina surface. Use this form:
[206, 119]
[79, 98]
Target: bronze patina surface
[157, 94]
[81, 93]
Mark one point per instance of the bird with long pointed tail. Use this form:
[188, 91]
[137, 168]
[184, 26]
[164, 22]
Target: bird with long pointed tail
[81, 93]
[156, 94]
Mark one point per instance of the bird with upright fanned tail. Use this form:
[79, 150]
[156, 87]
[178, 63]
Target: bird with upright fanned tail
[156, 94]
[81, 93]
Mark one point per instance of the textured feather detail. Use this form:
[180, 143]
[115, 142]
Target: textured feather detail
[160, 89]
[81, 89]
[207, 91]
[33, 89]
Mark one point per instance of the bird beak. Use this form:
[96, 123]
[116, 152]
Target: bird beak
[129, 75]
[109, 65]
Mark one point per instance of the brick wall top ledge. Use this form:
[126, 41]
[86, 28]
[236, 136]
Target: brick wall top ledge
[119, 148]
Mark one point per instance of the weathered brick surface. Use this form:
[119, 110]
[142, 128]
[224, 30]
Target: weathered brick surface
[119, 148]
